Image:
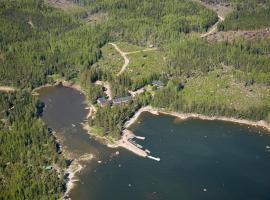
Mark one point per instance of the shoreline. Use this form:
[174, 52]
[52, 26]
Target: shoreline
[71, 172]
[75, 166]
[186, 116]
[127, 134]
[122, 142]
[59, 82]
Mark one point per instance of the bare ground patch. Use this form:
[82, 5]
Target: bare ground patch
[231, 36]
[61, 4]
[221, 7]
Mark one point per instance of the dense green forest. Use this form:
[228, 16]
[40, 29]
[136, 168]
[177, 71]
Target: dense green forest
[189, 55]
[109, 120]
[40, 44]
[26, 148]
[38, 41]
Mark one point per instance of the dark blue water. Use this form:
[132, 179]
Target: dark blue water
[199, 160]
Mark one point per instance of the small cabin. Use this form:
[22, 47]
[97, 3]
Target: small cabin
[158, 83]
[120, 100]
[151, 46]
[102, 101]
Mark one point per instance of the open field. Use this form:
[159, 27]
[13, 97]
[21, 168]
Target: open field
[144, 64]
[127, 47]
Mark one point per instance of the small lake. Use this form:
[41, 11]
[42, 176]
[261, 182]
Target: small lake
[199, 159]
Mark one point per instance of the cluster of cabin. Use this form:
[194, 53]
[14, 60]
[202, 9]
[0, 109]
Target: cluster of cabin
[102, 101]
[119, 100]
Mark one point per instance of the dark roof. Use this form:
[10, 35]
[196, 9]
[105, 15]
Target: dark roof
[102, 100]
[158, 83]
[121, 99]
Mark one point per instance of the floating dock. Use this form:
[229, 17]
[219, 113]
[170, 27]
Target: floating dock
[131, 145]
[139, 137]
[154, 158]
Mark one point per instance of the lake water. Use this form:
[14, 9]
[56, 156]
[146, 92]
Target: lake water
[199, 159]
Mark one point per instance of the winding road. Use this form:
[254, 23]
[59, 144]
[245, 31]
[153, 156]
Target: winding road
[126, 59]
[214, 28]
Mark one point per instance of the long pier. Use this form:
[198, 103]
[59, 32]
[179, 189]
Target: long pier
[131, 145]
[154, 158]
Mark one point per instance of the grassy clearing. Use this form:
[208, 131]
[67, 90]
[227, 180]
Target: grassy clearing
[127, 47]
[96, 18]
[111, 60]
[221, 88]
[144, 64]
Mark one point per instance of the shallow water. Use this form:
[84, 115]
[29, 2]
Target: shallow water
[199, 159]
[64, 112]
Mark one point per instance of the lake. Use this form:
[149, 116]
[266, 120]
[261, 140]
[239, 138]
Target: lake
[199, 159]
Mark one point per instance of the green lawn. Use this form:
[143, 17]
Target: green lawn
[144, 64]
[127, 47]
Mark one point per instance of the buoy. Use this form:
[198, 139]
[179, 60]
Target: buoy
[99, 161]
[129, 185]
[205, 190]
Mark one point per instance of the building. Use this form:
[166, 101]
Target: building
[102, 101]
[120, 100]
[137, 92]
[158, 83]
